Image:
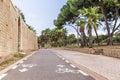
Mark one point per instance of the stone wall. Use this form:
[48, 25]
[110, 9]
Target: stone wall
[14, 34]
[112, 52]
[28, 38]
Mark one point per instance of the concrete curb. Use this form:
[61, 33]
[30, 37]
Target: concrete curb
[93, 74]
[16, 63]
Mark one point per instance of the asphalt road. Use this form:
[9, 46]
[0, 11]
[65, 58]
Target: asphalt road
[45, 65]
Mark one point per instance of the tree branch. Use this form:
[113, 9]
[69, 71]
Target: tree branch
[116, 28]
[75, 29]
[116, 19]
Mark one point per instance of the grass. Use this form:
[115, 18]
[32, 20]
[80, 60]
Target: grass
[19, 55]
[11, 60]
[6, 63]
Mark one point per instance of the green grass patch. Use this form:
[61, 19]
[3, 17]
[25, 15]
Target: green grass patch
[11, 60]
[6, 63]
[19, 55]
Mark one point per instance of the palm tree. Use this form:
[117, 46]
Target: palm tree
[46, 34]
[81, 22]
[92, 17]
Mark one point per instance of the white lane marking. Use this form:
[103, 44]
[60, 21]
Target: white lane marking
[67, 61]
[66, 70]
[61, 66]
[2, 76]
[14, 67]
[63, 58]
[21, 62]
[72, 66]
[23, 70]
[85, 74]
[28, 65]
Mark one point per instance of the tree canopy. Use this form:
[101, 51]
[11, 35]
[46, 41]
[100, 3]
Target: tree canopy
[109, 10]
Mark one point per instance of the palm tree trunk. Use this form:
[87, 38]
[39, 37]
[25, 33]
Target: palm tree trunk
[82, 39]
[82, 36]
[96, 35]
[90, 36]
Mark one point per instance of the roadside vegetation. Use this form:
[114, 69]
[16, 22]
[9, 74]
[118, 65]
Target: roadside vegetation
[86, 17]
[56, 38]
[8, 60]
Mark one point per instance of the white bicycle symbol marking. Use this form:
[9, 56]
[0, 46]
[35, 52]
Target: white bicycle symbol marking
[63, 69]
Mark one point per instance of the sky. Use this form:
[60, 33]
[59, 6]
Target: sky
[40, 13]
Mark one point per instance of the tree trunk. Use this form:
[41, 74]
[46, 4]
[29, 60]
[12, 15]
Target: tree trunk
[82, 36]
[82, 39]
[109, 41]
[96, 35]
[90, 36]
[78, 34]
[90, 42]
[78, 41]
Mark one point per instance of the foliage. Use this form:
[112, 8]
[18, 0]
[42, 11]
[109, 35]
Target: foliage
[94, 12]
[54, 37]
[21, 13]
[117, 37]
[23, 17]
[19, 55]
[71, 39]
[31, 28]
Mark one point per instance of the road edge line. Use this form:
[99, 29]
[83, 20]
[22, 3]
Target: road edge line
[93, 74]
[17, 62]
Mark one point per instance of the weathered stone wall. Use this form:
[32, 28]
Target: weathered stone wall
[14, 34]
[28, 38]
[112, 52]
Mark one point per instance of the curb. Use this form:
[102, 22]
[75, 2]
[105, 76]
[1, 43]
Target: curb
[93, 74]
[12, 65]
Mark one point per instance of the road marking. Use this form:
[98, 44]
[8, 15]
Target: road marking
[28, 65]
[85, 74]
[66, 70]
[72, 66]
[67, 61]
[14, 67]
[2, 76]
[23, 70]
[63, 58]
[61, 66]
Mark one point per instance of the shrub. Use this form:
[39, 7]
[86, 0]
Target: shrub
[19, 55]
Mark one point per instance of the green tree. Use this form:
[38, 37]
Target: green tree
[55, 37]
[92, 18]
[81, 23]
[109, 8]
[71, 39]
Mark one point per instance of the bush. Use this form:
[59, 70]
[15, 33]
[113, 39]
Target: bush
[19, 55]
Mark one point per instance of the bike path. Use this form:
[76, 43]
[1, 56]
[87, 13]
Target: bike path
[45, 65]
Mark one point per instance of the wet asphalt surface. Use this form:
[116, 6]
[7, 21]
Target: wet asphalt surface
[45, 65]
